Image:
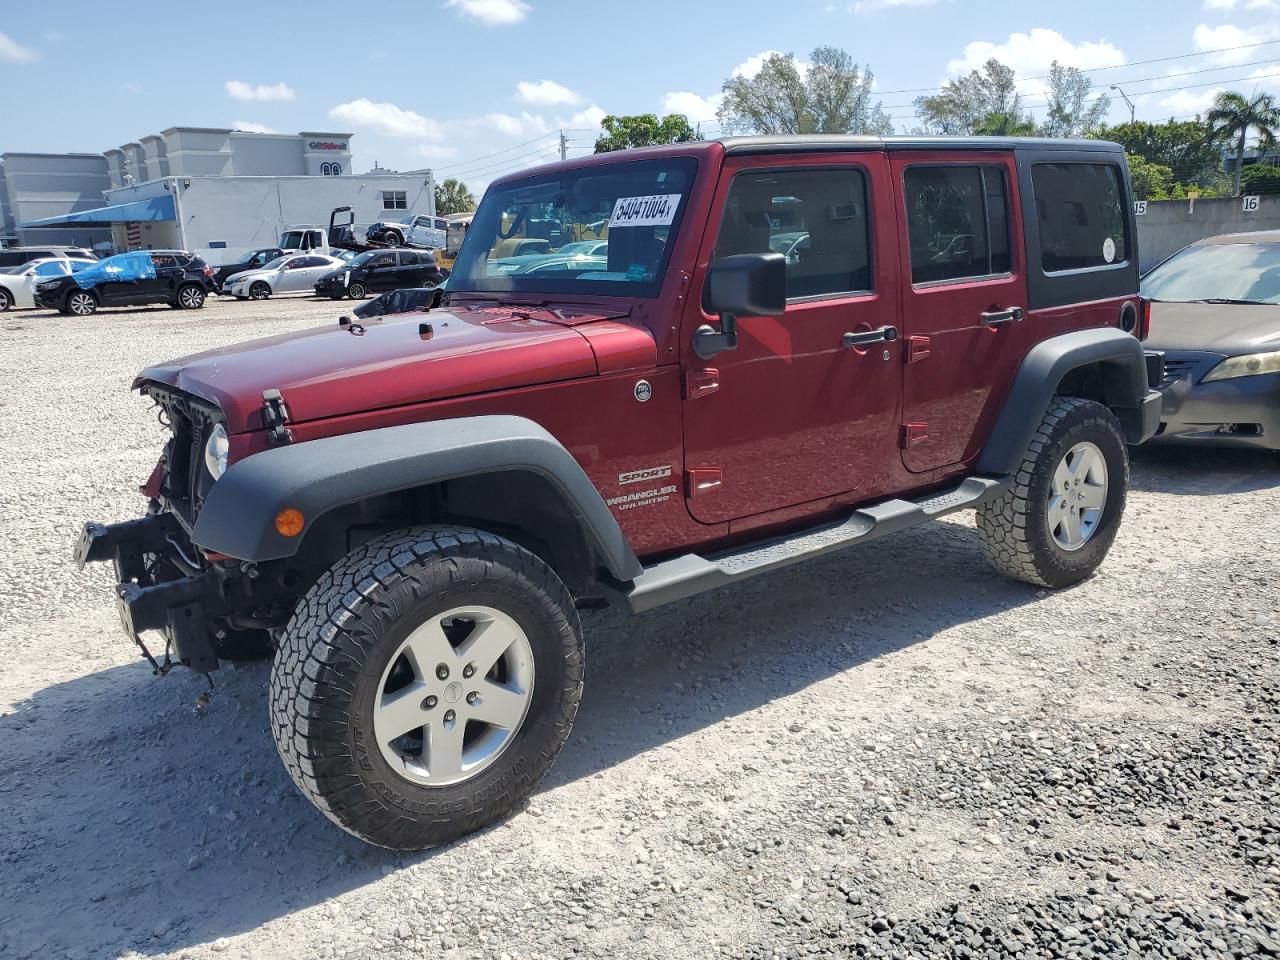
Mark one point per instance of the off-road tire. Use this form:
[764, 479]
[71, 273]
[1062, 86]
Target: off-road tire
[1014, 529]
[357, 291]
[392, 238]
[329, 668]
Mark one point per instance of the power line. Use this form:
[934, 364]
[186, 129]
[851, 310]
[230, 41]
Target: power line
[474, 160]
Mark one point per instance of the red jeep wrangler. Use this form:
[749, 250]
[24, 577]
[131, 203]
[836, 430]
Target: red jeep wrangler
[787, 346]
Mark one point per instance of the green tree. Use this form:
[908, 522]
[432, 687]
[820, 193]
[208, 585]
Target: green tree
[1071, 112]
[1151, 181]
[1260, 178]
[830, 94]
[643, 130]
[452, 196]
[1233, 116]
[1184, 146]
[984, 102]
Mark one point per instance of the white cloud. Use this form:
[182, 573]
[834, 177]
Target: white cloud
[1030, 54]
[131, 87]
[252, 126]
[436, 151]
[521, 126]
[546, 93]
[11, 51]
[239, 90]
[492, 13]
[588, 119]
[697, 108]
[751, 66]
[387, 119]
[1269, 6]
[1221, 37]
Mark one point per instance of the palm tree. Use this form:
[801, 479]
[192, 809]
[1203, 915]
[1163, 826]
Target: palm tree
[1232, 115]
[452, 196]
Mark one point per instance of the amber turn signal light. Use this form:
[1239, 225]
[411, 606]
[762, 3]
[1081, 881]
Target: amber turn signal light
[289, 522]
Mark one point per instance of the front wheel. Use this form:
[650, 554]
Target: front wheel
[1057, 521]
[6, 301]
[392, 238]
[259, 291]
[82, 304]
[357, 291]
[426, 683]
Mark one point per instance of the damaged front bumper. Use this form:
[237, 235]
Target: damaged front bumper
[142, 552]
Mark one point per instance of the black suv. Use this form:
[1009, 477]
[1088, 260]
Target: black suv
[378, 270]
[182, 280]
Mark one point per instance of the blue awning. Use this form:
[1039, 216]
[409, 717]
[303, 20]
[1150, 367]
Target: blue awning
[155, 208]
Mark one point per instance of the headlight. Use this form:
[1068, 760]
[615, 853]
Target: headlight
[1250, 365]
[215, 451]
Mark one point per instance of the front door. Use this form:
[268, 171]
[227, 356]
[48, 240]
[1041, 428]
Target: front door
[793, 415]
[964, 293]
[382, 272]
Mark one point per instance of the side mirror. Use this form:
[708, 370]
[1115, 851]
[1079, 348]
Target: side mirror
[746, 284]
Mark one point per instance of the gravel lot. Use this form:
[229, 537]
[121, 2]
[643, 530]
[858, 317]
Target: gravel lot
[892, 752]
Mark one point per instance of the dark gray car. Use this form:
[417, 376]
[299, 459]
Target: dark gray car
[1216, 315]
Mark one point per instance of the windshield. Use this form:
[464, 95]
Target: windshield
[1218, 271]
[636, 205]
[246, 257]
[293, 240]
[275, 264]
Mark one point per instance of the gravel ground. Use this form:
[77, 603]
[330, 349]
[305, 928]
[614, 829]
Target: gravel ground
[892, 752]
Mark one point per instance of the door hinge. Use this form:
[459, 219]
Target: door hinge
[702, 480]
[699, 383]
[913, 433]
[917, 349]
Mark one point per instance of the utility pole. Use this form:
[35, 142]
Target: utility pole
[1127, 102]
[564, 146]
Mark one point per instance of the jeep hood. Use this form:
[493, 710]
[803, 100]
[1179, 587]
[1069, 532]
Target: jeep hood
[392, 361]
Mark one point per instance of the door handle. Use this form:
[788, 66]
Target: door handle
[882, 335]
[997, 318]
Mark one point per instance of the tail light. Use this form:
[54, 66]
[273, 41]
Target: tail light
[1144, 318]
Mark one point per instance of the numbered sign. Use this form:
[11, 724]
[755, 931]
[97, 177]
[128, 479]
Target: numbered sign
[1139, 208]
[1249, 204]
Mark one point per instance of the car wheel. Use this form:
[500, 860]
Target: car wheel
[1057, 521]
[82, 303]
[357, 291]
[259, 291]
[426, 683]
[393, 238]
[190, 297]
[6, 300]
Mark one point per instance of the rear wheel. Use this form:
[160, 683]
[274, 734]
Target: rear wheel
[357, 291]
[426, 683]
[259, 291]
[81, 303]
[1056, 523]
[190, 297]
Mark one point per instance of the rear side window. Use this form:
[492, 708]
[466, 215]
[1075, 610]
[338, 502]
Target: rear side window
[816, 218]
[957, 222]
[1081, 215]
[408, 259]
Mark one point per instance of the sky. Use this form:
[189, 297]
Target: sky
[476, 88]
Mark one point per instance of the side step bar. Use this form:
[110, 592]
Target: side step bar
[686, 575]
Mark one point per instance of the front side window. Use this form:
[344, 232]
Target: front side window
[395, 200]
[637, 204]
[1081, 214]
[957, 222]
[816, 218]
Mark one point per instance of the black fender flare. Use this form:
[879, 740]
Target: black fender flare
[315, 477]
[1121, 356]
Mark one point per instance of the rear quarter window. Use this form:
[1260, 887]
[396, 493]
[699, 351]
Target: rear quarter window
[1080, 215]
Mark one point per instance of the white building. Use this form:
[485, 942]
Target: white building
[214, 191]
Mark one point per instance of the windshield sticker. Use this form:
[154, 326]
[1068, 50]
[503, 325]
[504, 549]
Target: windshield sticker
[654, 211]
[1109, 250]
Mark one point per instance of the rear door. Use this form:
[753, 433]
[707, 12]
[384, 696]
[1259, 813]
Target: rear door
[792, 416]
[964, 293]
[169, 274]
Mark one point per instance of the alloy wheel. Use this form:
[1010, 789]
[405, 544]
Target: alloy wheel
[192, 298]
[82, 304]
[454, 695]
[1078, 495]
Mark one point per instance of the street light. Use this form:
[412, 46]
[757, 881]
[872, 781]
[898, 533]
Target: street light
[1125, 98]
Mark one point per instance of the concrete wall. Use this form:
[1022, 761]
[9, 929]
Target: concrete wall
[39, 185]
[248, 212]
[1169, 225]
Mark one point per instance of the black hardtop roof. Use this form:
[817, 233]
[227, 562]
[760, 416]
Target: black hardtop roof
[842, 142]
